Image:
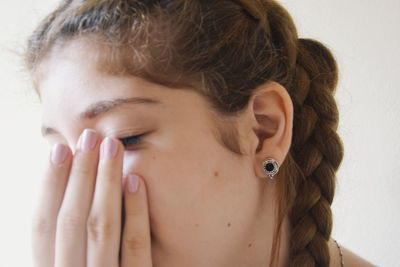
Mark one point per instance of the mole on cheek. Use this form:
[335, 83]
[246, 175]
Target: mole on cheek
[229, 224]
[250, 245]
[216, 174]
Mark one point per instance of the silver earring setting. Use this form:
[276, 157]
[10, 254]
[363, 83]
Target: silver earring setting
[270, 167]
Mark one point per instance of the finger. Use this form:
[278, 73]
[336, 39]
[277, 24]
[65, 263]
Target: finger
[71, 221]
[50, 198]
[136, 241]
[104, 222]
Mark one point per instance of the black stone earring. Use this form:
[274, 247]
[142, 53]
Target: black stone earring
[270, 167]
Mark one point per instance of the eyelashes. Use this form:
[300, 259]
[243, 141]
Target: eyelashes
[131, 140]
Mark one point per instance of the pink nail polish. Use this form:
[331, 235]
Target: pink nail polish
[58, 154]
[88, 140]
[133, 183]
[109, 148]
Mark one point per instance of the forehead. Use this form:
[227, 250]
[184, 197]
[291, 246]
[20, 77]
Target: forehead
[88, 62]
[74, 62]
[71, 70]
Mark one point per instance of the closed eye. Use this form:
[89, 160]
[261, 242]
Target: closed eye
[131, 140]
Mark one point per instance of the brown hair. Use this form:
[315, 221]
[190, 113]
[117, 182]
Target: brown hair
[223, 50]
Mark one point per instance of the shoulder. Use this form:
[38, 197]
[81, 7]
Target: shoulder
[350, 258]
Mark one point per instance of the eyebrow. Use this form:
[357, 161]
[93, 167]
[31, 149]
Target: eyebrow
[101, 107]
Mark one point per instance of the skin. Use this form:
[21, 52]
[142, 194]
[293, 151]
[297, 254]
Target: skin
[204, 205]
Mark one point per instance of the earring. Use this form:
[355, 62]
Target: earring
[270, 167]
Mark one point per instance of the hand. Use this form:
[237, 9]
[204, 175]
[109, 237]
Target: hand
[77, 222]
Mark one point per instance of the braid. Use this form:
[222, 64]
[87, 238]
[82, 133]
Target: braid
[317, 150]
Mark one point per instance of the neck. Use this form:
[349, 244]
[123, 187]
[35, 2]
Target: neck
[259, 251]
[249, 245]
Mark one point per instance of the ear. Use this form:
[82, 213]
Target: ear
[272, 113]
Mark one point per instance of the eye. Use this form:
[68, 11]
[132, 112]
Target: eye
[131, 140]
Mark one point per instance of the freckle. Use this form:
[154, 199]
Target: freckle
[197, 225]
[229, 224]
[250, 244]
[216, 173]
[154, 157]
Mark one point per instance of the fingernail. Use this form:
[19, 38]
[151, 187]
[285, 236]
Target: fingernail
[58, 154]
[132, 182]
[109, 148]
[88, 140]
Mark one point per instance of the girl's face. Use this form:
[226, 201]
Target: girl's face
[205, 202]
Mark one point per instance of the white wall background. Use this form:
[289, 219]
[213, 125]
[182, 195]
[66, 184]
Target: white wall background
[365, 38]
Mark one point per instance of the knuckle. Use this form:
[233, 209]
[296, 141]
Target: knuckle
[99, 229]
[107, 177]
[53, 178]
[135, 242]
[42, 226]
[68, 222]
[134, 212]
[49, 180]
[82, 171]
[84, 165]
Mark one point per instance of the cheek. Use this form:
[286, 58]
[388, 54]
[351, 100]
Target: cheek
[188, 185]
[179, 181]
[175, 180]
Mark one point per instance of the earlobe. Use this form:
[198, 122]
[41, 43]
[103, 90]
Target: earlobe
[272, 109]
